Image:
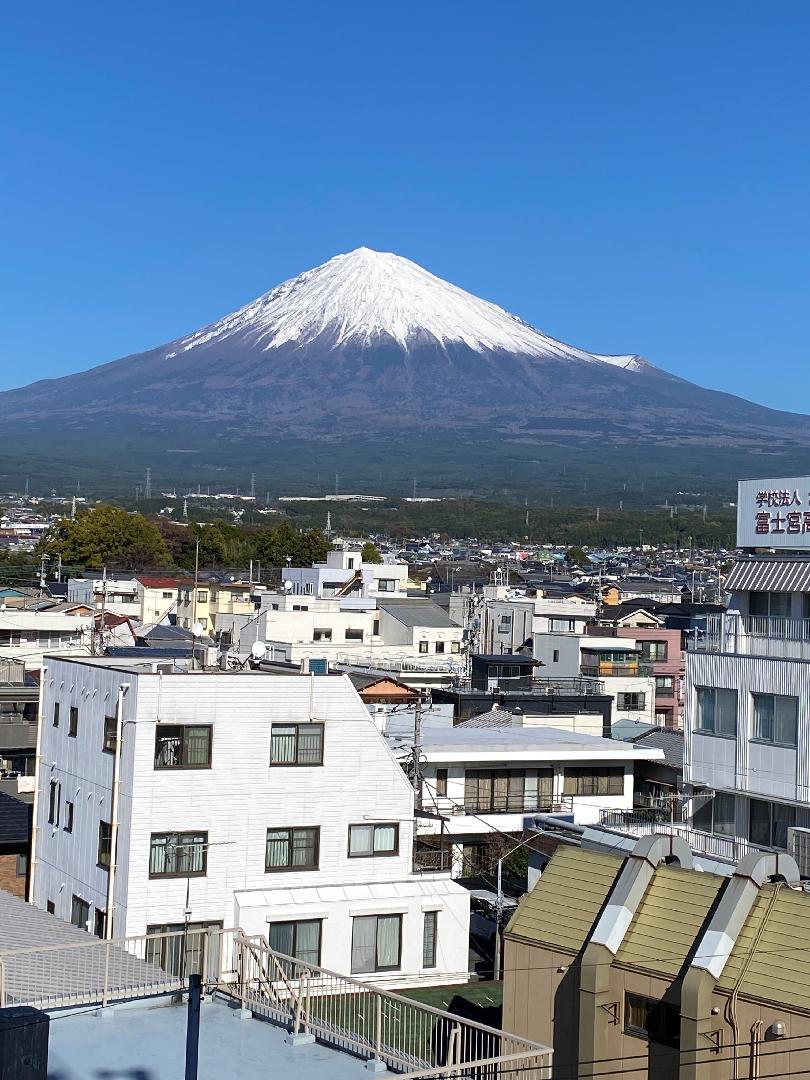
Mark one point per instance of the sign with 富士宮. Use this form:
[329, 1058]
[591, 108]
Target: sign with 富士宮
[774, 513]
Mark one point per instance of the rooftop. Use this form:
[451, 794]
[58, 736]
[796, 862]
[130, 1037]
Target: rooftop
[417, 613]
[542, 739]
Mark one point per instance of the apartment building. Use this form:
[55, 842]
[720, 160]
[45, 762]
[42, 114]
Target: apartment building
[211, 598]
[115, 592]
[19, 704]
[747, 677]
[616, 664]
[345, 574]
[26, 634]
[508, 622]
[490, 775]
[648, 968]
[243, 799]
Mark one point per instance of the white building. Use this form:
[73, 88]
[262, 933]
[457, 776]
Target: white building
[492, 774]
[27, 635]
[509, 622]
[615, 662]
[274, 800]
[344, 573]
[117, 593]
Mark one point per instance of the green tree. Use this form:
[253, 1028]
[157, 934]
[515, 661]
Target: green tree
[371, 553]
[106, 535]
[575, 556]
[273, 545]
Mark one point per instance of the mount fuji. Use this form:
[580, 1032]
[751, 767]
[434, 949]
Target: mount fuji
[372, 365]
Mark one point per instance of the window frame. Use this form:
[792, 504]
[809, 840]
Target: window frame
[54, 801]
[656, 1014]
[374, 853]
[183, 729]
[578, 775]
[78, 903]
[699, 726]
[377, 967]
[104, 845]
[441, 782]
[430, 942]
[157, 874]
[423, 647]
[108, 745]
[295, 923]
[776, 720]
[70, 812]
[623, 703]
[290, 866]
[650, 646]
[296, 764]
[73, 721]
[55, 719]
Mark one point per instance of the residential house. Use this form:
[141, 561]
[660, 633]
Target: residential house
[27, 635]
[19, 701]
[268, 802]
[213, 597]
[510, 623]
[642, 966]
[345, 574]
[157, 597]
[116, 592]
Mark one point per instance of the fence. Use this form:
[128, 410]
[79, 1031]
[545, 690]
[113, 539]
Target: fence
[341, 1012]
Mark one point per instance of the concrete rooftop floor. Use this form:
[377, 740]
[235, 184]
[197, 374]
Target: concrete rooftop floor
[142, 1041]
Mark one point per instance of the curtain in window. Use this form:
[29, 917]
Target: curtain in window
[361, 839]
[157, 855]
[470, 788]
[388, 941]
[309, 744]
[517, 783]
[763, 716]
[705, 708]
[303, 847]
[364, 943]
[500, 791]
[429, 939]
[280, 937]
[545, 787]
[283, 743]
[385, 837]
[278, 850]
[192, 854]
[308, 941]
[197, 745]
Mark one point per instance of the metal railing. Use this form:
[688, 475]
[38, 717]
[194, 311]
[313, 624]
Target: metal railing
[432, 859]
[406, 1035]
[409, 1037]
[607, 669]
[578, 684]
[753, 635]
[638, 823]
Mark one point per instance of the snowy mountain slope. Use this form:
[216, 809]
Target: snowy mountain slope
[365, 296]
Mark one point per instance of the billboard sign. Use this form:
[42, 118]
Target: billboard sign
[774, 513]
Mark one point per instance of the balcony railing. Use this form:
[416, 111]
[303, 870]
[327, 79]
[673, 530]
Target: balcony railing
[753, 635]
[606, 669]
[644, 822]
[409, 1038]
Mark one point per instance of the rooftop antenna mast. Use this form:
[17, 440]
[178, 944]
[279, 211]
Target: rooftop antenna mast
[253, 485]
[147, 489]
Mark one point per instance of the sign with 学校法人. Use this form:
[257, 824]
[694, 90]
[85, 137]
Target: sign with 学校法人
[774, 513]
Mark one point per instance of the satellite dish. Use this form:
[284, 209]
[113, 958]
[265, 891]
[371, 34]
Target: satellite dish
[288, 585]
[258, 649]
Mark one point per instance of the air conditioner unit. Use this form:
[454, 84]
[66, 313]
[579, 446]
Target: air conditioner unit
[799, 848]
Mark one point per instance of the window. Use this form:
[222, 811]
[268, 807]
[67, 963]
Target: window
[429, 939]
[716, 710]
[768, 823]
[653, 1020]
[439, 646]
[183, 746]
[324, 634]
[53, 803]
[441, 782]
[455, 646]
[202, 596]
[21, 868]
[104, 844]
[769, 605]
[167, 595]
[664, 685]
[308, 588]
[386, 584]
[354, 635]
[716, 815]
[178, 854]
[73, 722]
[366, 841]
[631, 702]
[776, 718]
[68, 826]
[487, 790]
[296, 744]
[504, 624]
[376, 943]
[561, 626]
[169, 953]
[292, 849]
[100, 923]
[79, 912]
[555, 656]
[423, 646]
[9, 637]
[599, 781]
[56, 714]
[652, 651]
[300, 939]
[300, 607]
[110, 734]
[50, 907]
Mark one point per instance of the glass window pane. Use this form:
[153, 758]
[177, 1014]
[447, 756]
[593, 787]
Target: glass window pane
[388, 941]
[784, 818]
[702, 815]
[385, 837]
[308, 941]
[198, 743]
[786, 720]
[364, 938]
[157, 855]
[429, 939]
[310, 737]
[726, 712]
[283, 743]
[167, 747]
[705, 708]
[278, 848]
[361, 839]
[280, 937]
[724, 814]
[763, 716]
[305, 847]
[759, 822]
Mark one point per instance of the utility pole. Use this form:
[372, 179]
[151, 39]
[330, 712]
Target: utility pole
[253, 485]
[147, 491]
[417, 751]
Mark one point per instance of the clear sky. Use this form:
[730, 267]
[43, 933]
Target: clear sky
[628, 176]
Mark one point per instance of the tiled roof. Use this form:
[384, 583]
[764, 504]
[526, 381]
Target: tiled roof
[769, 575]
[417, 613]
[671, 742]
[157, 582]
[495, 718]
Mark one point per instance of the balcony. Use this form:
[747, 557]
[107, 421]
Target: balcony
[753, 635]
[606, 669]
[729, 849]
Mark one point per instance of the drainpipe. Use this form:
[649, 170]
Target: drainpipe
[116, 795]
[38, 776]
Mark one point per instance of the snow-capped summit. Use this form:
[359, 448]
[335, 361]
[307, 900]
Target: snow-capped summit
[366, 296]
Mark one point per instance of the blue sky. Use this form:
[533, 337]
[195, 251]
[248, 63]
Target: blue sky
[630, 177]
